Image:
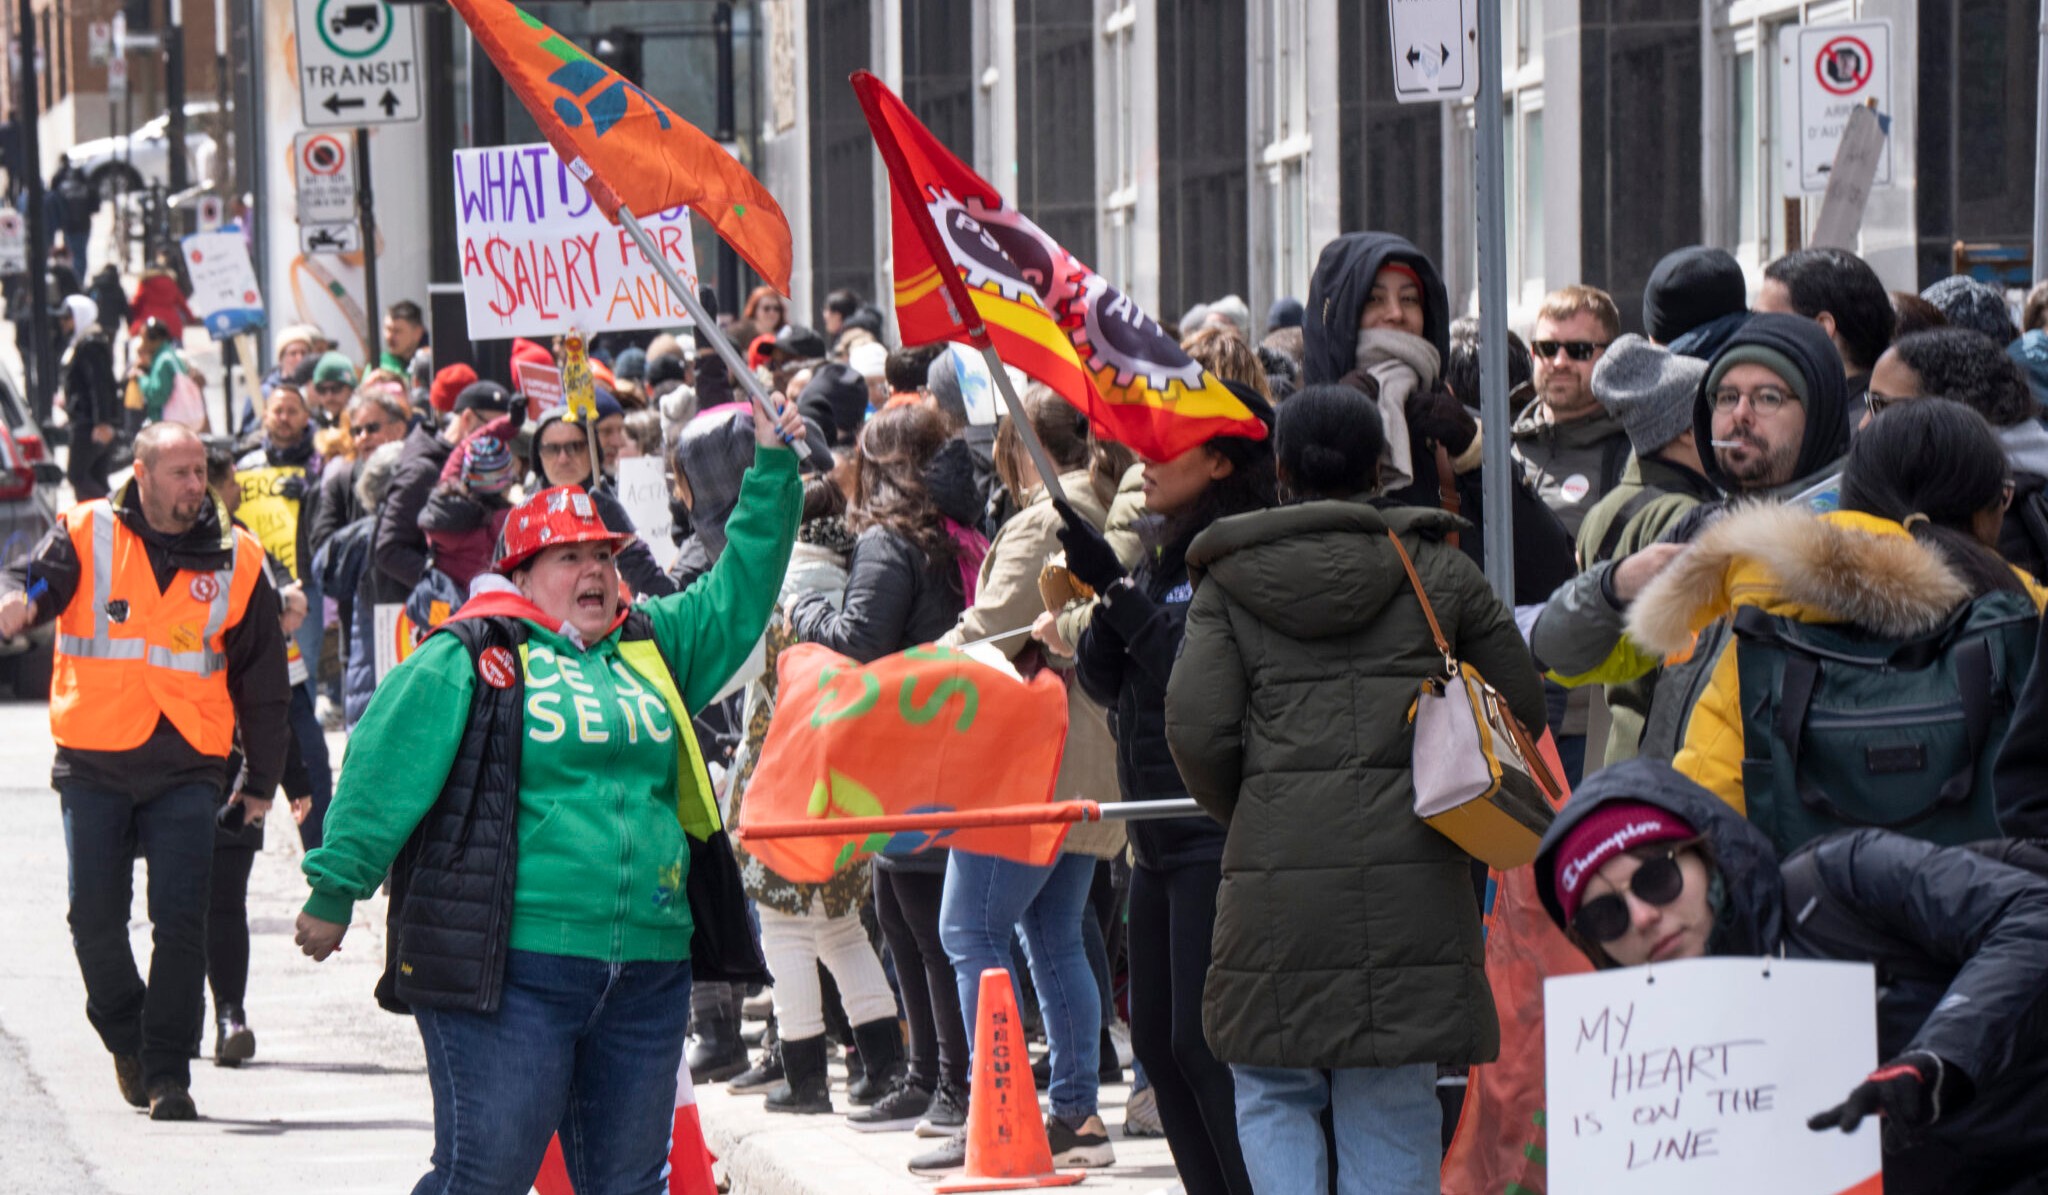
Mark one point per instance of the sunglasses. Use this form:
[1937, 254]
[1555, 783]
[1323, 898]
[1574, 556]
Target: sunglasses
[1577, 350]
[565, 449]
[367, 429]
[1606, 918]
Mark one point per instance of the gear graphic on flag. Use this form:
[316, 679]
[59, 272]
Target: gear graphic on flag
[1115, 336]
[1000, 249]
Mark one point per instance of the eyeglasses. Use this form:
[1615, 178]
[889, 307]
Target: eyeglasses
[1606, 918]
[1765, 400]
[1577, 350]
[332, 387]
[1878, 402]
[368, 429]
[565, 449]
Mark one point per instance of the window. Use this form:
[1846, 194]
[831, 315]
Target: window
[1057, 121]
[1120, 206]
[1528, 32]
[1286, 143]
[1203, 83]
[1532, 201]
[1748, 217]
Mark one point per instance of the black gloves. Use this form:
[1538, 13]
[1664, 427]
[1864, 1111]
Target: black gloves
[1438, 416]
[1908, 1091]
[292, 487]
[1089, 556]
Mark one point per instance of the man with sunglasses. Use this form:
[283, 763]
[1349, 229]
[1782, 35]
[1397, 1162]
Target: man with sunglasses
[374, 417]
[1643, 866]
[1572, 450]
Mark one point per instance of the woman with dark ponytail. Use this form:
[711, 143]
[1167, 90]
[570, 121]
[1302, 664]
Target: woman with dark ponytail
[1348, 962]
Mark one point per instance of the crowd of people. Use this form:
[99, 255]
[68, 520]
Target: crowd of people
[1778, 576]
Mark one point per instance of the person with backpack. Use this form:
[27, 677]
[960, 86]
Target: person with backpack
[1644, 866]
[78, 200]
[559, 871]
[1877, 651]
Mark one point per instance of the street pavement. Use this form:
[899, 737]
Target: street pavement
[336, 1099]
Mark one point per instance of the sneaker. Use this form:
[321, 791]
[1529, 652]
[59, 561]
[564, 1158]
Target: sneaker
[170, 1100]
[1141, 1115]
[761, 1076]
[128, 1073]
[901, 1107]
[947, 1114]
[1086, 1144]
[1120, 1037]
[949, 1158]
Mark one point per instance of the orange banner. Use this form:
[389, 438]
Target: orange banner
[927, 730]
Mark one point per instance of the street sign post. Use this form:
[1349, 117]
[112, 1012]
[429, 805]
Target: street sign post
[344, 237]
[358, 63]
[117, 76]
[1832, 70]
[1436, 47]
[324, 166]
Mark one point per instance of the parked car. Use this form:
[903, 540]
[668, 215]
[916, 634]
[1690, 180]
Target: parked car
[19, 421]
[147, 158]
[27, 512]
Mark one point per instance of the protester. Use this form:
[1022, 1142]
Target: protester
[1284, 312]
[849, 323]
[333, 384]
[465, 514]
[1968, 303]
[348, 572]
[1839, 291]
[1915, 314]
[399, 548]
[1335, 895]
[375, 417]
[405, 333]
[559, 990]
[1573, 450]
[77, 199]
[1644, 866]
[154, 375]
[559, 456]
[836, 398]
[765, 314]
[143, 736]
[1923, 494]
[91, 398]
[160, 296]
[1123, 659]
[1695, 299]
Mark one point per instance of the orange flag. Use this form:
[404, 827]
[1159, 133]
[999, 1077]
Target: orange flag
[971, 268]
[927, 730]
[629, 149]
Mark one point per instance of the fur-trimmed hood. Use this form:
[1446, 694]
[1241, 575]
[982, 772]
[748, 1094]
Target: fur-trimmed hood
[1843, 566]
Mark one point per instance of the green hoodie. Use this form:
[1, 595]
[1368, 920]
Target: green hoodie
[607, 757]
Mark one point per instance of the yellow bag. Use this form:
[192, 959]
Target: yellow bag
[131, 398]
[1479, 779]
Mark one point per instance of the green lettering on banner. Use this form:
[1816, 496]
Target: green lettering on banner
[918, 714]
[932, 651]
[871, 692]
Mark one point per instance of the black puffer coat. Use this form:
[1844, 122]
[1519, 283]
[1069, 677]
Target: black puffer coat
[1960, 943]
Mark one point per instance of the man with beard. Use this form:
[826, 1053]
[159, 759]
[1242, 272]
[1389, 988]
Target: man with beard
[1572, 450]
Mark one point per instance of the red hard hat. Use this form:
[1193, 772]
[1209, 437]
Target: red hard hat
[562, 515]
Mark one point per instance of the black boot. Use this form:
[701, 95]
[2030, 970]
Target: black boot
[233, 1041]
[763, 1075]
[881, 1055]
[804, 1088]
[716, 1051]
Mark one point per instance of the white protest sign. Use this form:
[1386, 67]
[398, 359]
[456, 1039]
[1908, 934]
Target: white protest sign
[977, 388]
[643, 491]
[1696, 1078]
[539, 258]
[224, 290]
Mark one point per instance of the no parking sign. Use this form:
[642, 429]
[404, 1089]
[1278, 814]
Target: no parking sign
[1831, 69]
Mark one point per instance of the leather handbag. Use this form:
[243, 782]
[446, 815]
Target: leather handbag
[1479, 779]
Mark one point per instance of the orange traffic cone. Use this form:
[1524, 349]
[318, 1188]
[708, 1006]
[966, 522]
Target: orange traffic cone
[689, 1158]
[1006, 1145]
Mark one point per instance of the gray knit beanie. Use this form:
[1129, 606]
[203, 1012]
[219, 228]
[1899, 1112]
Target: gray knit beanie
[1649, 389]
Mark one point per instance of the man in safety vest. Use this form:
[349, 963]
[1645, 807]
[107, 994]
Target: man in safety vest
[167, 638]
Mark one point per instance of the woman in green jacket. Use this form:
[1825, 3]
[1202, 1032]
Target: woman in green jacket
[1347, 956]
[157, 366]
[529, 779]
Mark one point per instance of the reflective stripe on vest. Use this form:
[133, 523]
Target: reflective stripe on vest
[201, 663]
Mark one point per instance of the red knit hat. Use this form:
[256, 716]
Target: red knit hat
[531, 353]
[562, 515]
[448, 383]
[1613, 829]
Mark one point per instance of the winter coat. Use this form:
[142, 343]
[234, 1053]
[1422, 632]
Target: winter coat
[1832, 568]
[1960, 943]
[462, 531]
[348, 574]
[1346, 934]
[159, 295]
[1828, 403]
[2023, 538]
[1337, 294]
[1671, 489]
[1007, 597]
[1572, 465]
[92, 396]
[400, 548]
[1543, 551]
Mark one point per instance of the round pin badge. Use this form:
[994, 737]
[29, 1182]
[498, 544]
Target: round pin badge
[205, 588]
[497, 667]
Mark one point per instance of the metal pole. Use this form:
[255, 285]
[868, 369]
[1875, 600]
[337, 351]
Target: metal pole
[1047, 473]
[36, 357]
[180, 176]
[366, 212]
[2041, 150]
[1498, 463]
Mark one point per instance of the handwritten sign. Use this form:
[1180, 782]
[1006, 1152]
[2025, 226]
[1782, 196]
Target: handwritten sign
[224, 290]
[539, 258]
[269, 514]
[1696, 1078]
[541, 384]
[643, 491]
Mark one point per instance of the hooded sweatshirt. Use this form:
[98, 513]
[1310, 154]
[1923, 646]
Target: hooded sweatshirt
[1337, 294]
[1826, 439]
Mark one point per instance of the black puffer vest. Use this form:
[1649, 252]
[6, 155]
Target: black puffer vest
[449, 922]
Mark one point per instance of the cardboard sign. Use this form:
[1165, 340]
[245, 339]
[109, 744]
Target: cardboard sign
[643, 491]
[539, 258]
[270, 516]
[541, 384]
[224, 290]
[396, 637]
[1696, 1078]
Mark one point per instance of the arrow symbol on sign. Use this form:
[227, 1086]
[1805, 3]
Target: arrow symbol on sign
[1414, 56]
[1446, 53]
[335, 104]
[389, 103]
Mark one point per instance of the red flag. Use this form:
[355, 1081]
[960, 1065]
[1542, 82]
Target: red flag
[629, 149]
[973, 269]
[689, 1158]
[928, 730]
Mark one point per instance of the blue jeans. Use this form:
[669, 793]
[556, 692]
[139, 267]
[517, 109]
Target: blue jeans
[103, 831]
[986, 898]
[581, 1047]
[1387, 1120]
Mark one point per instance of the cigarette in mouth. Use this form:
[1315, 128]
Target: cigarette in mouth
[1729, 443]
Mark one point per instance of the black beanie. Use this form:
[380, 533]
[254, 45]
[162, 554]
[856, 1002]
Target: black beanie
[835, 388]
[1690, 287]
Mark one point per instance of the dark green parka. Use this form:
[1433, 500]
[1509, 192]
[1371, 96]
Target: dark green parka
[1346, 930]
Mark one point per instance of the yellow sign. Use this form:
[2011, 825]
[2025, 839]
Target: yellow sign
[578, 386]
[270, 516]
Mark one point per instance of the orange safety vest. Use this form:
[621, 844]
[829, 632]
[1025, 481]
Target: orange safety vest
[128, 653]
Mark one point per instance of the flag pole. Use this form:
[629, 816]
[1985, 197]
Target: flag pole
[1047, 472]
[975, 819]
[734, 364]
